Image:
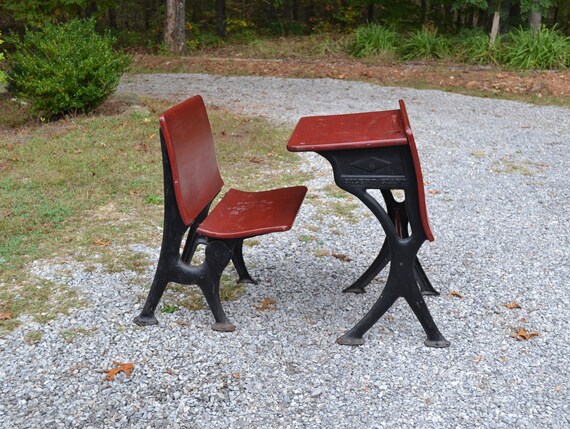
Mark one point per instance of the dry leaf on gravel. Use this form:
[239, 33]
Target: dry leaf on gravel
[102, 243]
[523, 335]
[455, 293]
[127, 368]
[342, 257]
[266, 304]
[512, 305]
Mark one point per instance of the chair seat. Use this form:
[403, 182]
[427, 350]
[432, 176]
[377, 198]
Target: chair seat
[248, 214]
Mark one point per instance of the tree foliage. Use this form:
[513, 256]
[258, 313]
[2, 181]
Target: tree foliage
[142, 22]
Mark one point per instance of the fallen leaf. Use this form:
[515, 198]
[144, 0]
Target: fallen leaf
[523, 335]
[266, 304]
[236, 375]
[455, 293]
[558, 388]
[5, 316]
[434, 191]
[127, 368]
[342, 257]
[512, 305]
[256, 160]
[102, 243]
[522, 320]
[478, 358]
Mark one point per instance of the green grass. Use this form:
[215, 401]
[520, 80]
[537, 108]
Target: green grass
[474, 47]
[547, 49]
[374, 40]
[86, 187]
[425, 44]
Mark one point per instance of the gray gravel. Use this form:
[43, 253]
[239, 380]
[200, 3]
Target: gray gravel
[498, 192]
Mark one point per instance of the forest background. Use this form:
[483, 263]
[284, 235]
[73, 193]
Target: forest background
[183, 25]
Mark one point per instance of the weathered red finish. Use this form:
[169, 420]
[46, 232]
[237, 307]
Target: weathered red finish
[361, 131]
[247, 214]
[418, 169]
[190, 146]
[350, 131]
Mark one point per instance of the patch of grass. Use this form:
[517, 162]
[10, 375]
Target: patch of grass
[33, 337]
[511, 166]
[321, 253]
[169, 309]
[479, 154]
[264, 162]
[251, 242]
[71, 335]
[315, 46]
[14, 113]
[229, 289]
[335, 192]
[345, 210]
[87, 187]
[306, 238]
[40, 299]
[194, 301]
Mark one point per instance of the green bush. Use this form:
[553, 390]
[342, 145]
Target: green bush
[425, 44]
[474, 47]
[547, 49]
[67, 68]
[374, 39]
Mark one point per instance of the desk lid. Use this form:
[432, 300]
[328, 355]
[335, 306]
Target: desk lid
[348, 131]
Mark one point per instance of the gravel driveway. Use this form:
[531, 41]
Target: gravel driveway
[498, 194]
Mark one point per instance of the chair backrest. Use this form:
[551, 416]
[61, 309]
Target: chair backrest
[418, 171]
[188, 138]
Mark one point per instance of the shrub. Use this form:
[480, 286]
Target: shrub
[373, 40]
[66, 68]
[425, 44]
[474, 47]
[547, 49]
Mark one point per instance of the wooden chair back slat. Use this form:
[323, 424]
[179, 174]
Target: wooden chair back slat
[189, 143]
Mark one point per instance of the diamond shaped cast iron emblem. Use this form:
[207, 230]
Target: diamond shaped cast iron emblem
[371, 165]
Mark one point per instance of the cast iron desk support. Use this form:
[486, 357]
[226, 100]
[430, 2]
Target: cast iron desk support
[376, 150]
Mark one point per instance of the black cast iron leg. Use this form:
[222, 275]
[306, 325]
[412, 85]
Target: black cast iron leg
[147, 317]
[372, 271]
[239, 264]
[389, 295]
[218, 255]
[416, 301]
[423, 281]
[168, 260]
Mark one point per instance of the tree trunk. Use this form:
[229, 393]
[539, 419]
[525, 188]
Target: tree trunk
[174, 26]
[535, 20]
[495, 28]
[295, 10]
[221, 18]
[424, 14]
